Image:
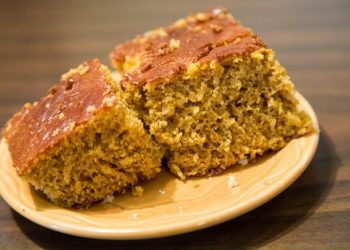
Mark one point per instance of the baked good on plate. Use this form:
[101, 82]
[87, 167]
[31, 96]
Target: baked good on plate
[80, 143]
[210, 91]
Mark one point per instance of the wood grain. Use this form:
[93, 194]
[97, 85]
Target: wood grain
[39, 40]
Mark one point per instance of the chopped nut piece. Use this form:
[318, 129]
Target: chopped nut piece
[192, 68]
[66, 128]
[55, 132]
[103, 68]
[61, 116]
[237, 40]
[216, 28]
[180, 23]
[82, 70]
[162, 52]
[69, 127]
[174, 44]
[72, 125]
[201, 17]
[161, 32]
[27, 105]
[91, 108]
[109, 101]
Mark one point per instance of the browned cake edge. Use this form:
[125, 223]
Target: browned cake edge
[37, 127]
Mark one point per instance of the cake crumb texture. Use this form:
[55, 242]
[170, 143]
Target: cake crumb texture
[219, 99]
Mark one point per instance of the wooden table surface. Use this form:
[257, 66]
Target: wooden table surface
[40, 40]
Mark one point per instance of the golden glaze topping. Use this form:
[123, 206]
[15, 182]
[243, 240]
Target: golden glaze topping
[202, 37]
[69, 104]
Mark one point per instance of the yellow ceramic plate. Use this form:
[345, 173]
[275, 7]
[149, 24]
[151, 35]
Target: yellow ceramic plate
[169, 206]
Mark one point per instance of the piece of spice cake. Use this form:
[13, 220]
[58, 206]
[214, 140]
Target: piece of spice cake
[209, 90]
[80, 143]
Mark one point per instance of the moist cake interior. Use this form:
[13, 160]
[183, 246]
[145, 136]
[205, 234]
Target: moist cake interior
[105, 157]
[80, 143]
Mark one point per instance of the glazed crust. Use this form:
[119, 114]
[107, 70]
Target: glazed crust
[71, 103]
[201, 37]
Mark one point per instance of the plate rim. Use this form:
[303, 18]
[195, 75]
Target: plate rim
[212, 219]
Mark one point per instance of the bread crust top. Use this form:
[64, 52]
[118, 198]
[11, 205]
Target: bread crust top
[69, 104]
[163, 53]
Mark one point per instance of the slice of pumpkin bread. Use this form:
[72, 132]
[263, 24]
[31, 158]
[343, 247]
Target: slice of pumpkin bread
[209, 90]
[80, 143]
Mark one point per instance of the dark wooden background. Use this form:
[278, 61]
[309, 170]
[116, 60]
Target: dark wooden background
[40, 40]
